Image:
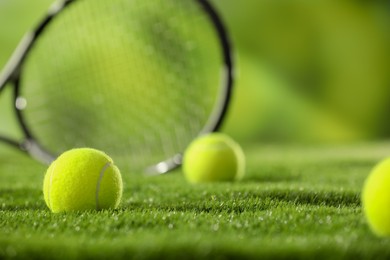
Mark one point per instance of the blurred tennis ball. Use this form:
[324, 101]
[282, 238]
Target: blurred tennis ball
[376, 199]
[82, 179]
[212, 158]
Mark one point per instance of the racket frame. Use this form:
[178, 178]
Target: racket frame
[12, 73]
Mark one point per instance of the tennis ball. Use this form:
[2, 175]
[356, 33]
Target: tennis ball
[82, 179]
[212, 158]
[376, 199]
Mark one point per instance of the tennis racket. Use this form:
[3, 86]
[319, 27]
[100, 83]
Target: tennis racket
[137, 79]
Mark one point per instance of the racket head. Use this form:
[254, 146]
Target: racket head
[140, 83]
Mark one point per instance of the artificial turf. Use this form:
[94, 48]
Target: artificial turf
[294, 202]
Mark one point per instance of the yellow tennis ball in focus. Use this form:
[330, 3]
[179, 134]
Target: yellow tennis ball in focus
[82, 179]
[376, 199]
[212, 158]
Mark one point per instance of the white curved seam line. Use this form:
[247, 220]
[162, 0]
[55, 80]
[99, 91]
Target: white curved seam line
[50, 184]
[99, 182]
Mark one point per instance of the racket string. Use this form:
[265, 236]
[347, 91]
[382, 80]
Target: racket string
[137, 79]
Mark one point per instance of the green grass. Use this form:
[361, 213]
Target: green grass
[295, 202]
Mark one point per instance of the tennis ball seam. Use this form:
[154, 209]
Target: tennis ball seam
[98, 184]
[50, 185]
[101, 175]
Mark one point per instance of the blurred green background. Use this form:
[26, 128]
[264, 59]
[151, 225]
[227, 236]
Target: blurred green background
[307, 71]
